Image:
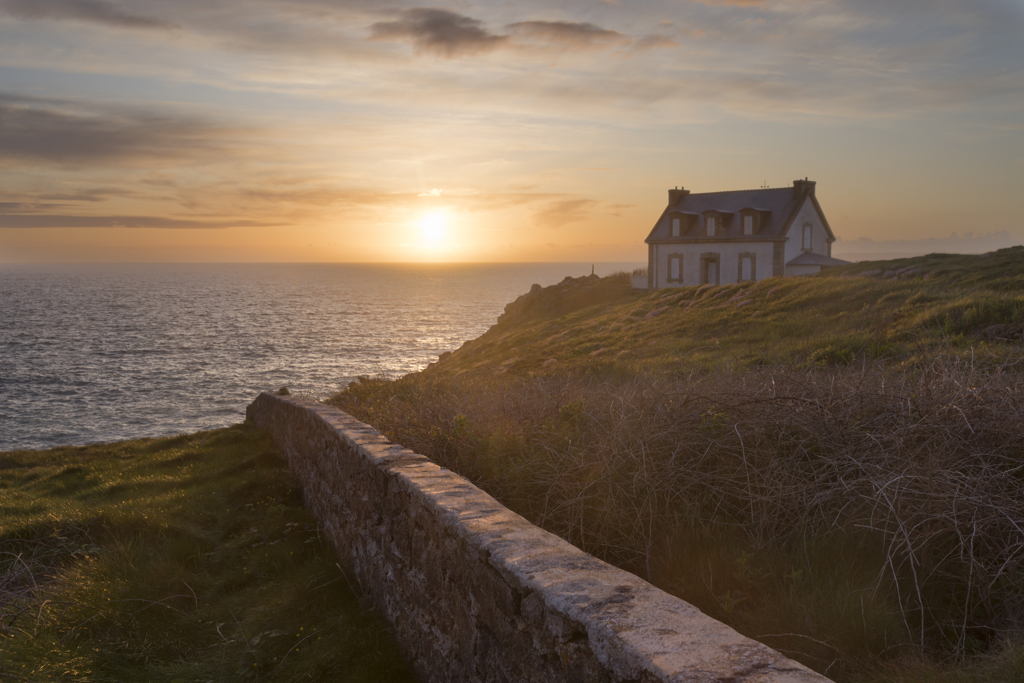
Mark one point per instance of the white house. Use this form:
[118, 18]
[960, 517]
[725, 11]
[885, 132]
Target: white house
[740, 235]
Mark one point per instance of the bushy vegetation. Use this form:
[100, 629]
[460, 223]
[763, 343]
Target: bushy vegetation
[181, 559]
[833, 468]
[845, 516]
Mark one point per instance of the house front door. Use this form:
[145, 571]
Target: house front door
[709, 269]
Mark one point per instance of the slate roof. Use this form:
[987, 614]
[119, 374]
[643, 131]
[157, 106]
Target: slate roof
[809, 258]
[779, 207]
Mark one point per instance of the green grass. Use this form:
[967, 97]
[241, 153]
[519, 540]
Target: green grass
[831, 318]
[183, 559]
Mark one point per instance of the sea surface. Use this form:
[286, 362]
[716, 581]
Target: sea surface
[92, 353]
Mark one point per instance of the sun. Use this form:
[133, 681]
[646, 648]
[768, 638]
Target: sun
[434, 230]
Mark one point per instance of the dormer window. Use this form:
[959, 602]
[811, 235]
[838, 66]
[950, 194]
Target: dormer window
[678, 223]
[751, 220]
[709, 221]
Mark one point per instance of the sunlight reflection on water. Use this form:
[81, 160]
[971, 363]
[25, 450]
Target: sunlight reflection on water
[99, 353]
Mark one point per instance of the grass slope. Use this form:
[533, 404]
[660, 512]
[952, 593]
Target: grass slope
[903, 310]
[181, 559]
[828, 464]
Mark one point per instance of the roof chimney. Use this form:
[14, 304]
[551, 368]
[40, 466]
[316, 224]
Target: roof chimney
[803, 188]
[675, 196]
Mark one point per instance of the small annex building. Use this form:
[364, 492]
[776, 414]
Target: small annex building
[739, 235]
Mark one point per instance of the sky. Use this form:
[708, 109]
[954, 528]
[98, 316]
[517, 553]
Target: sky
[357, 130]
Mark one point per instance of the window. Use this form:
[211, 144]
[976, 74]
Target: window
[675, 268]
[711, 226]
[746, 266]
[807, 237]
[748, 225]
[675, 227]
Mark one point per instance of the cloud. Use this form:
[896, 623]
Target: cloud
[735, 3]
[439, 31]
[49, 202]
[563, 212]
[448, 34]
[567, 33]
[94, 11]
[653, 42]
[90, 195]
[27, 207]
[69, 133]
[62, 221]
[616, 209]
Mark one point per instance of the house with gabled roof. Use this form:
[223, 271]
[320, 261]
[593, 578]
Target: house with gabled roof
[739, 235]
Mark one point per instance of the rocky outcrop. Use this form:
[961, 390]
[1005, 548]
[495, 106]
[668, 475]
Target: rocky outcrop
[474, 591]
[571, 294]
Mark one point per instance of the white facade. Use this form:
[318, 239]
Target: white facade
[728, 260]
[806, 218]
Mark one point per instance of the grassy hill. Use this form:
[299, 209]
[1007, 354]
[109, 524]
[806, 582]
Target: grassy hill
[829, 464]
[898, 310]
[174, 560]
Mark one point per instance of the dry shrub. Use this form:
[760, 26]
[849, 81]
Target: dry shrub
[924, 463]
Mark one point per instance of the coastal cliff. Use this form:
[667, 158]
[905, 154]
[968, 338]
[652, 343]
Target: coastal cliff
[903, 310]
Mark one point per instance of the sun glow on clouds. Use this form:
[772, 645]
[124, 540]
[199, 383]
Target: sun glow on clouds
[538, 119]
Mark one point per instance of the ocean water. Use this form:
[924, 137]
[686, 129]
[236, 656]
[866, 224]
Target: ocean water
[92, 353]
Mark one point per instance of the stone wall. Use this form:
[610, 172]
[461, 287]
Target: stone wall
[477, 593]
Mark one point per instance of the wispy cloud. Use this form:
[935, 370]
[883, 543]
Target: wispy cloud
[70, 133]
[563, 212]
[735, 3]
[654, 41]
[65, 221]
[27, 207]
[438, 31]
[94, 11]
[448, 34]
[567, 33]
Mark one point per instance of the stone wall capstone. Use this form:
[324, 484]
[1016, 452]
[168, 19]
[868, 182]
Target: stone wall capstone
[475, 592]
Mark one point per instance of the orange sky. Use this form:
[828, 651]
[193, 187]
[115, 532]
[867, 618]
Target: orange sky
[349, 130]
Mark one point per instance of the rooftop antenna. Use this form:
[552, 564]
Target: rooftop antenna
[765, 186]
